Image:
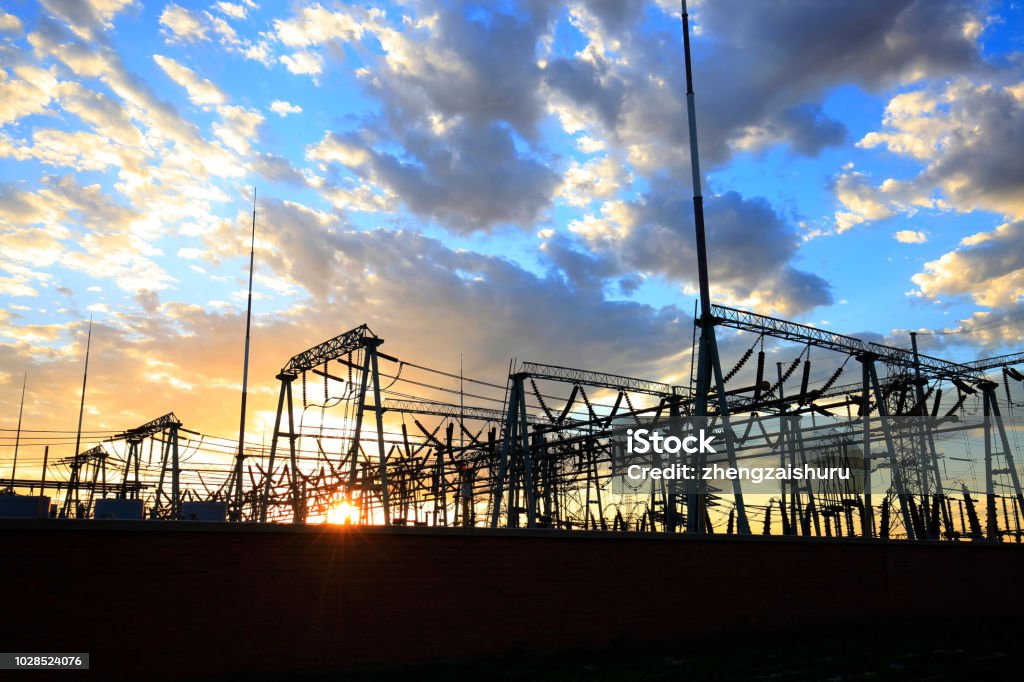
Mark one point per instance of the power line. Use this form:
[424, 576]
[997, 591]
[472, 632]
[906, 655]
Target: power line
[1004, 321]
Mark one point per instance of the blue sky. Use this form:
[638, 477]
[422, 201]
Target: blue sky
[497, 179]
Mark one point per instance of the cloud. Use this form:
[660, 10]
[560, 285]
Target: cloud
[238, 128]
[459, 66]
[750, 267]
[183, 25]
[763, 84]
[399, 281]
[27, 94]
[235, 11]
[468, 179]
[316, 26]
[283, 108]
[10, 23]
[303, 63]
[966, 133]
[989, 331]
[200, 90]
[600, 178]
[459, 96]
[910, 237]
[87, 18]
[277, 169]
[988, 268]
[82, 229]
[860, 202]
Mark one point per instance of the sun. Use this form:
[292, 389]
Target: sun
[342, 513]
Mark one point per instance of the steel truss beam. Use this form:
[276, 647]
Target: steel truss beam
[150, 428]
[449, 410]
[995, 362]
[94, 453]
[791, 331]
[350, 341]
[614, 381]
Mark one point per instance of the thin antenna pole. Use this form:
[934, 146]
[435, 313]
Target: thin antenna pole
[695, 499]
[42, 480]
[73, 489]
[17, 439]
[698, 200]
[462, 406]
[85, 378]
[237, 512]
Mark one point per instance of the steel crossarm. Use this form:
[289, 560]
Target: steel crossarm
[340, 345]
[449, 410]
[821, 338]
[148, 429]
[601, 379]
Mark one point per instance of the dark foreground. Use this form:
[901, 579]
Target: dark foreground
[193, 601]
[894, 651]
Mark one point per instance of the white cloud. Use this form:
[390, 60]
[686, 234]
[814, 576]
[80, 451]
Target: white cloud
[87, 18]
[599, 178]
[316, 26]
[238, 128]
[183, 25]
[989, 267]
[336, 149]
[228, 36]
[200, 90]
[259, 52]
[27, 94]
[859, 200]
[283, 108]
[308, 63]
[589, 145]
[231, 9]
[966, 135]
[910, 237]
[190, 253]
[10, 23]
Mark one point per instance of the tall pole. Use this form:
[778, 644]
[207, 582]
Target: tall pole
[85, 378]
[17, 438]
[237, 512]
[695, 507]
[698, 205]
[73, 485]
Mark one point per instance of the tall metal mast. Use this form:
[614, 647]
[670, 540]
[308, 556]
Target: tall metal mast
[698, 204]
[236, 514]
[708, 363]
[78, 435]
[85, 378]
[17, 438]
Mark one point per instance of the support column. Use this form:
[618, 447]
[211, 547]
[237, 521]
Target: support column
[371, 351]
[285, 380]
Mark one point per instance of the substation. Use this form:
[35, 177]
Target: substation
[397, 511]
[932, 446]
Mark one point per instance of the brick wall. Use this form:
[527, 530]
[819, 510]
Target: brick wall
[157, 600]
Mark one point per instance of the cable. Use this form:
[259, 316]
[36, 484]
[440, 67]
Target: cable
[1004, 321]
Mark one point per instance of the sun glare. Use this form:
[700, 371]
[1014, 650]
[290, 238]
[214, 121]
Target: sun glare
[342, 513]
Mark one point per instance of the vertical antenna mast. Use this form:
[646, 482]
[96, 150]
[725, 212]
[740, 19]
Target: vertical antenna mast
[85, 377]
[698, 200]
[695, 509]
[73, 489]
[17, 438]
[237, 511]
[708, 364]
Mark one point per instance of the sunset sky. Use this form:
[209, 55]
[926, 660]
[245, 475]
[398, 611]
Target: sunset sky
[493, 179]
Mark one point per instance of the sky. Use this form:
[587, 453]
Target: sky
[482, 181]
